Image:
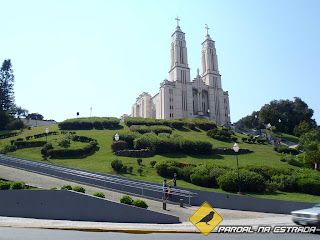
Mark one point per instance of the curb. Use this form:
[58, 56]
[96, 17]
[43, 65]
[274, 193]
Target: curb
[132, 231]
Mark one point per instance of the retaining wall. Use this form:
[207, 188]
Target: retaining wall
[69, 205]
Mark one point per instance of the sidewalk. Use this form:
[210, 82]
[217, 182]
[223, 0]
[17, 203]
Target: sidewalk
[231, 217]
[185, 227]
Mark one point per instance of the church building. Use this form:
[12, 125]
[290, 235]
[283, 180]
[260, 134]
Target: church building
[179, 97]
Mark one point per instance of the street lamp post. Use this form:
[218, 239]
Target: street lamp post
[47, 131]
[116, 137]
[236, 150]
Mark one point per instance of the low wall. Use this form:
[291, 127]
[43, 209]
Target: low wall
[69, 205]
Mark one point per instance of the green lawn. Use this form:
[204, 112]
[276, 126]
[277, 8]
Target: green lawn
[263, 155]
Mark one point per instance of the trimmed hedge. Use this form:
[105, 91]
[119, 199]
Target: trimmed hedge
[28, 144]
[221, 135]
[204, 124]
[249, 181]
[172, 144]
[8, 148]
[156, 129]
[142, 153]
[119, 145]
[128, 137]
[230, 151]
[17, 185]
[5, 185]
[286, 150]
[308, 185]
[8, 135]
[62, 153]
[89, 123]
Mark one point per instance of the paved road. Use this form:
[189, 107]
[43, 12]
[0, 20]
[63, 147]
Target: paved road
[47, 182]
[40, 234]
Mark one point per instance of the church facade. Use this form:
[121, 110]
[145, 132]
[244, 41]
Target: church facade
[179, 97]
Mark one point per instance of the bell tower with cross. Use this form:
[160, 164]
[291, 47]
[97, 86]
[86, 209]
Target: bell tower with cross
[209, 61]
[179, 69]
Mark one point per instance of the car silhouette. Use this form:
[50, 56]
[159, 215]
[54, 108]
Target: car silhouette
[309, 216]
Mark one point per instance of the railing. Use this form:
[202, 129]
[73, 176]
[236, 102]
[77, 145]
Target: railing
[90, 177]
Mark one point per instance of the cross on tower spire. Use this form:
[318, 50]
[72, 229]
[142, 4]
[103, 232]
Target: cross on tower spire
[177, 18]
[207, 29]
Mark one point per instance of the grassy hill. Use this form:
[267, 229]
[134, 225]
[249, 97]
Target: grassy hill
[263, 155]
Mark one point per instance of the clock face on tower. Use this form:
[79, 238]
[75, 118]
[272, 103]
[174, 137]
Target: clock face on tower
[180, 36]
[210, 44]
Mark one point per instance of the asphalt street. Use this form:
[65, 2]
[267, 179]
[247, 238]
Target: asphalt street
[7, 233]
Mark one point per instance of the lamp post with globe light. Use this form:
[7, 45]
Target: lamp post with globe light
[236, 150]
[116, 137]
[47, 131]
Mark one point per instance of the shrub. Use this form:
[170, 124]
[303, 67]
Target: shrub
[17, 185]
[196, 147]
[64, 142]
[117, 165]
[130, 170]
[128, 137]
[234, 139]
[286, 150]
[79, 189]
[162, 167]
[162, 129]
[99, 194]
[249, 181]
[62, 153]
[126, 200]
[206, 175]
[309, 185]
[261, 141]
[5, 185]
[89, 123]
[272, 186]
[66, 187]
[9, 148]
[152, 163]
[176, 124]
[140, 129]
[27, 144]
[54, 188]
[142, 153]
[221, 135]
[45, 148]
[140, 203]
[97, 125]
[119, 145]
[140, 170]
[186, 172]
[204, 124]
[139, 161]
[285, 182]
[16, 124]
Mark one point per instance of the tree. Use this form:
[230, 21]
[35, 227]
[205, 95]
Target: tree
[312, 153]
[6, 86]
[251, 121]
[35, 116]
[290, 113]
[302, 128]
